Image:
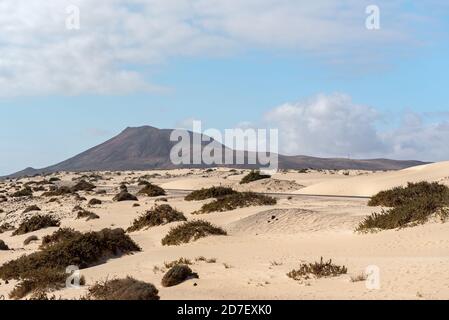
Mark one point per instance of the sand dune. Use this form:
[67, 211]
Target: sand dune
[369, 185]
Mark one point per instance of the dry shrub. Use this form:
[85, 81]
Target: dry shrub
[214, 192]
[83, 185]
[93, 202]
[123, 289]
[6, 227]
[30, 239]
[236, 200]
[63, 234]
[151, 190]
[253, 176]
[157, 216]
[191, 231]
[31, 208]
[125, 196]
[36, 223]
[25, 192]
[320, 269]
[82, 214]
[3, 246]
[61, 191]
[177, 275]
[171, 264]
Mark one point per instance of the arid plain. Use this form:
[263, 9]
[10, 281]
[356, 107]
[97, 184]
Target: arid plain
[316, 215]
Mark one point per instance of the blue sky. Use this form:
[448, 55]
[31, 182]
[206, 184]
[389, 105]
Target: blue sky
[64, 92]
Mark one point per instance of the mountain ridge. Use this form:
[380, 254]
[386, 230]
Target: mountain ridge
[147, 147]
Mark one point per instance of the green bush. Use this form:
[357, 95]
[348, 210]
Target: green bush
[414, 191]
[318, 269]
[412, 205]
[235, 201]
[151, 190]
[83, 250]
[191, 231]
[45, 269]
[36, 223]
[157, 216]
[254, 176]
[214, 192]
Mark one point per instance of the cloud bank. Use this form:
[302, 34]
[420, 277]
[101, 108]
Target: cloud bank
[333, 125]
[120, 40]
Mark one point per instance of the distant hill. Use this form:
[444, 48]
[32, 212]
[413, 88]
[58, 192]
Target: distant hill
[146, 148]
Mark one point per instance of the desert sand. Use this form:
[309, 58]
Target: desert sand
[263, 243]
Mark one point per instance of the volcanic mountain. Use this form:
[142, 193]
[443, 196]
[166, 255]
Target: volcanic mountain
[146, 147]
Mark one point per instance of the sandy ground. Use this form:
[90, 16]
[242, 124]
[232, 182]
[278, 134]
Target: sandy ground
[263, 243]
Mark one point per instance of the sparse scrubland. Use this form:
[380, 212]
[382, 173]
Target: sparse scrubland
[45, 268]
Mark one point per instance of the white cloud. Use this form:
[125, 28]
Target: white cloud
[120, 40]
[333, 125]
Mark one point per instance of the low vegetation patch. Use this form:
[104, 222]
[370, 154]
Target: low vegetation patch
[39, 281]
[30, 239]
[191, 231]
[410, 206]
[235, 201]
[61, 235]
[36, 223]
[88, 215]
[177, 275]
[57, 192]
[157, 216]
[64, 249]
[151, 190]
[31, 208]
[83, 185]
[6, 227]
[400, 196]
[254, 176]
[124, 196]
[123, 289]
[322, 269]
[214, 192]
[25, 192]
[3, 246]
[94, 202]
